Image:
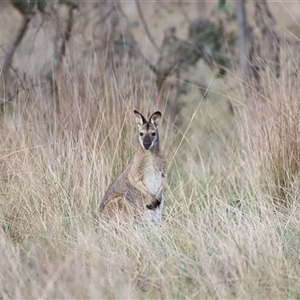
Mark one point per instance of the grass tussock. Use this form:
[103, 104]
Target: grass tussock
[274, 135]
[221, 234]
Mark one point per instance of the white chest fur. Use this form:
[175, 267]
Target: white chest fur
[152, 176]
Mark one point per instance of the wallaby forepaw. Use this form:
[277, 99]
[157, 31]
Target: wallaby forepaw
[154, 204]
[149, 206]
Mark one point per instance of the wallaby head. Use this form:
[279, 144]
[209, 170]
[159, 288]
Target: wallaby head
[148, 130]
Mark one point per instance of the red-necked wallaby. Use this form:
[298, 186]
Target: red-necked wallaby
[138, 190]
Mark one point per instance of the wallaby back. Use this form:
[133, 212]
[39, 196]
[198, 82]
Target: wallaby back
[138, 190]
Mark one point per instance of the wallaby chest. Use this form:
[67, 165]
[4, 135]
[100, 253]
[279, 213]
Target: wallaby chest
[152, 174]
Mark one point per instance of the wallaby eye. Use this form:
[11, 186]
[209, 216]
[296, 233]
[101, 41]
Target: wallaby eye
[141, 134]
[153, 134]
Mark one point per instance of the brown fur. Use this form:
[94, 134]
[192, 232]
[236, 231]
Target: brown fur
[139, 188]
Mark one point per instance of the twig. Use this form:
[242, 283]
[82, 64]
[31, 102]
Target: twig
[145, 25]
[150, 65]
[103, 18]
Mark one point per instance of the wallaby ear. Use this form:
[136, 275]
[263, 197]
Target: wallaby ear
[155, 118]
[140, 120]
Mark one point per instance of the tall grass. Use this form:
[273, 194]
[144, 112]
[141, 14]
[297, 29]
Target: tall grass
[274, 136]
[223, 234]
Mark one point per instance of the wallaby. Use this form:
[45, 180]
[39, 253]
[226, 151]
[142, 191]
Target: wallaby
[138, 190]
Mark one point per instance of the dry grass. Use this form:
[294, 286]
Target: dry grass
[222, 234]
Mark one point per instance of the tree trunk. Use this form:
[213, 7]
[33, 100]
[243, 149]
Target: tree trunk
[243, 38]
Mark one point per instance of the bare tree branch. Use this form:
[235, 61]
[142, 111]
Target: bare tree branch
[13, 46]
[145, 25]
[186, 16]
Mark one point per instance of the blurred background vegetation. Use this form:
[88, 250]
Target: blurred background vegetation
[168, 43]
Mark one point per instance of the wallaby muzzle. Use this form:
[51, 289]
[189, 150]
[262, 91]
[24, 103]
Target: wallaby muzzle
[147, 142]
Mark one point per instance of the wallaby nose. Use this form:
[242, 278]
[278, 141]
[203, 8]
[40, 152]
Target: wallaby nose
[147, 142]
